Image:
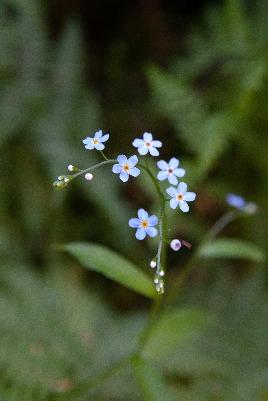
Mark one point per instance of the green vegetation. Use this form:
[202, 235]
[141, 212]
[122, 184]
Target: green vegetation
[79, 316]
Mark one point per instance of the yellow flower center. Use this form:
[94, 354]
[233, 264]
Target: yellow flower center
[126, 168]
[95, 141]
[179, 197]
[144, 224]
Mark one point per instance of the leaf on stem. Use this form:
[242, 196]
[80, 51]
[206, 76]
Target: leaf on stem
[110, 264]
[232, 249]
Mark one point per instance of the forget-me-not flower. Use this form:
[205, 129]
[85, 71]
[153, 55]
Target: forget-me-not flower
[240, 203]
[170, 171]
[147, 144]
[126, 167]
[96, 142]
[144, 224]
[236, 201]
[180, 197]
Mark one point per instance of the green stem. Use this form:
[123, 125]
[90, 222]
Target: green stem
[177, 284]
[103, 155]
[155, 182]
[93, 167]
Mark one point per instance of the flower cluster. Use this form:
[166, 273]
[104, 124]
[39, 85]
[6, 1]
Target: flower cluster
[130, 166]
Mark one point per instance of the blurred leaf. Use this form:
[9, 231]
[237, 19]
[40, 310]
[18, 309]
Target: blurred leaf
[151, 382]
[232, 248]
[174, 329]
[110, 264]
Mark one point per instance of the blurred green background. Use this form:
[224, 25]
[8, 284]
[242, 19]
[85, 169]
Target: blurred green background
[196, 75]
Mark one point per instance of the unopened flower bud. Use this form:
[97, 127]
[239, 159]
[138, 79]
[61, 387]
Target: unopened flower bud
[153, 264]
[73, 169]
[89, 176]
[175, 244]
[251, 208]
[161, 273]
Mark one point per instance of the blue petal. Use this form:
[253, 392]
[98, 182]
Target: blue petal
[99, 146]
[140, 233]
[157, 144]
[236, 201]
[172, 191]
[153, 220]
[183, 206]
[172, 179]
[147, 136]
[179, 172]
[104, 138]
[153, 151]
[174, 162]
[173, 203]
[134, 223]
[182, 187]
[132, 161]
[143, 150]
[162, 165]
[142, 214]
[138, 142]
[98, 134]
[162, 175]
[151, 231]
[189, 196]
[87, 140]
[124, 176]
[122, 159]
[90, 146]
[134, 172]
[117, 168]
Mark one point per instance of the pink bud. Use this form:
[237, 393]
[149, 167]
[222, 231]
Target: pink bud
[89, 176]
[175, 244]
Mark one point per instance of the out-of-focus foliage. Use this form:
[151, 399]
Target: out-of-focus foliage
[215, 100]
[70, 335]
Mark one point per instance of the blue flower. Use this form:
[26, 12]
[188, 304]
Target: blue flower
[236, 201]
[180, 197]
[96, 142]
[126, 167]
[144, 224]
[170, 171]
[147, 144]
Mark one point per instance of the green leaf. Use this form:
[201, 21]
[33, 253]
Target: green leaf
[151, 382]
[110, 264]
[173, 330]
[232, 248]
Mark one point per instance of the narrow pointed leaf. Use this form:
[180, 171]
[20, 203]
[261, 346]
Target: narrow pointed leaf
[232, 249]
[110, 264]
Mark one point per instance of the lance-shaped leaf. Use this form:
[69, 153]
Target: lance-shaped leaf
[232, 249]
[110, 264]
